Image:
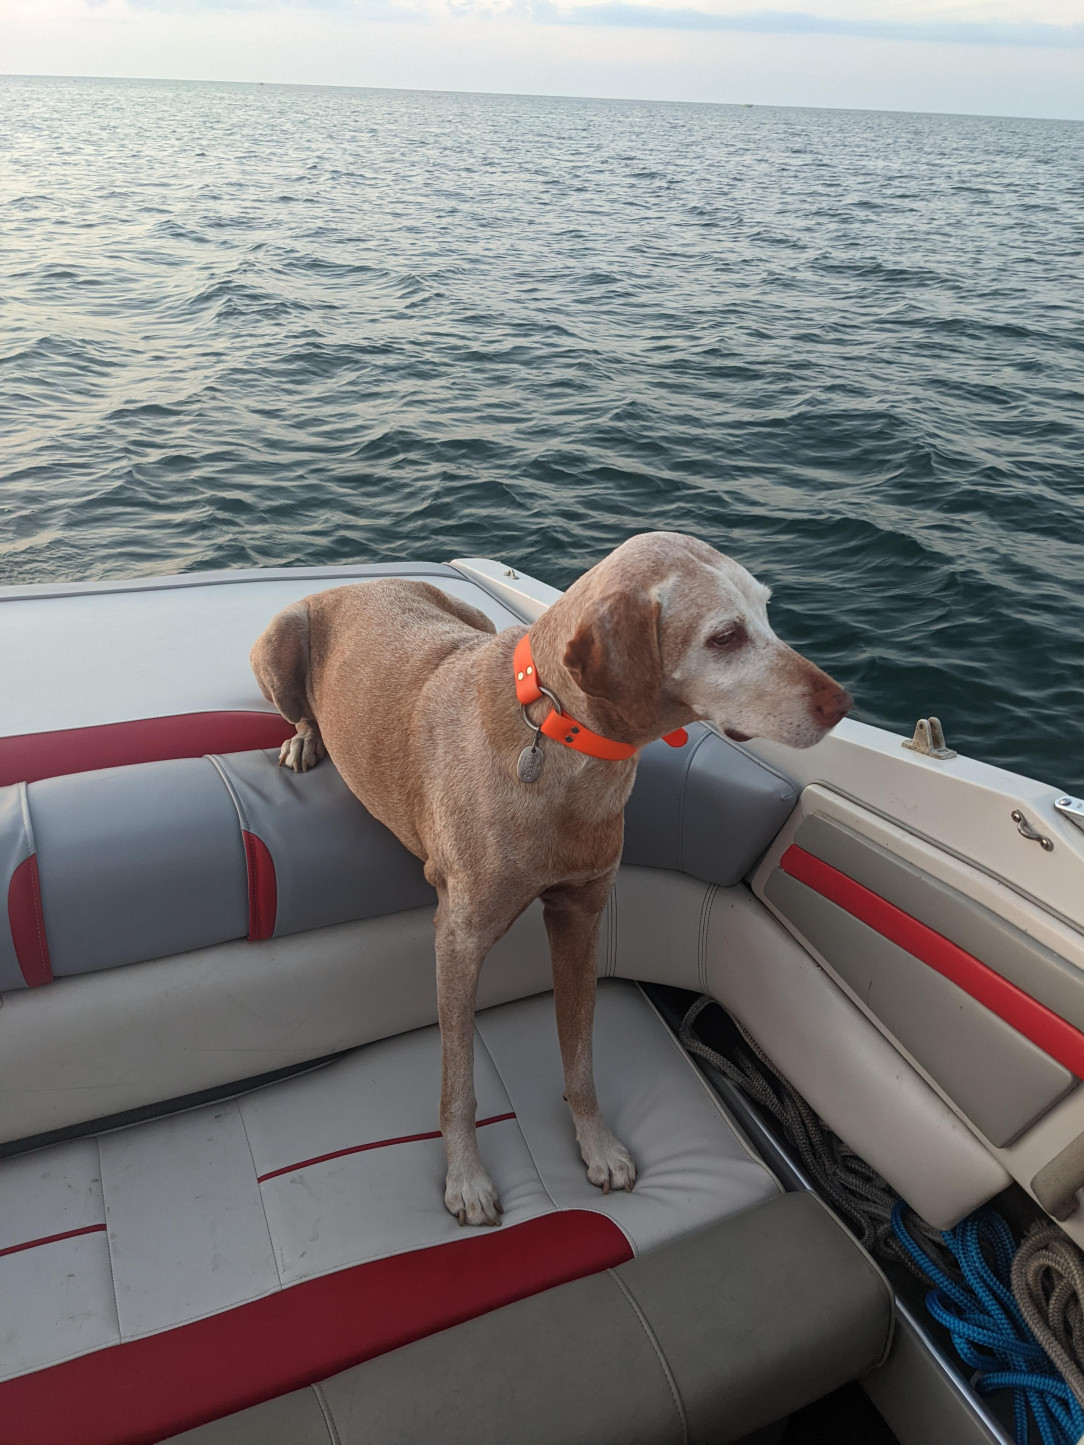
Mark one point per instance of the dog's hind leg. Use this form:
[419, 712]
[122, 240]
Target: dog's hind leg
[572, 915]
[280, 660]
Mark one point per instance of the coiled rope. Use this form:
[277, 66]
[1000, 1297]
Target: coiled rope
[853, 1187]
[1048, 1285]
[1015, 1316]
[988, 1327]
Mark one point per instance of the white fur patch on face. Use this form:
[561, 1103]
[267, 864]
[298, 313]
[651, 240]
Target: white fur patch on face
[734, 671]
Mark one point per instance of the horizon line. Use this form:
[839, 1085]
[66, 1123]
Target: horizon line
[537, 95]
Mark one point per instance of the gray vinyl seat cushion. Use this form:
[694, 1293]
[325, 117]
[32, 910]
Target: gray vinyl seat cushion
[169, 1274]
[125, 865]
[707, 809]
[705, 1339]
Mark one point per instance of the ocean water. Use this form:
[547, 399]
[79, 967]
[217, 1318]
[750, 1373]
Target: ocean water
[265, 325]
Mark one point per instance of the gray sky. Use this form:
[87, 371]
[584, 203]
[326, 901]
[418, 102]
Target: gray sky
[1004, 57]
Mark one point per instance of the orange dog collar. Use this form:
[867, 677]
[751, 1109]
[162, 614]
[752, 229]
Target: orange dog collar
[564, 729]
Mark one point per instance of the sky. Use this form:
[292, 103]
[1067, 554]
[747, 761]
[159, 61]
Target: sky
[1000, 57]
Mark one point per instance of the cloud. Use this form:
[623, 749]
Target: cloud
[626, 14]
[788, 22]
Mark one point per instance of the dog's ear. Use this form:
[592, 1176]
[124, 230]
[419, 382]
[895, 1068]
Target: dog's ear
[614, 657]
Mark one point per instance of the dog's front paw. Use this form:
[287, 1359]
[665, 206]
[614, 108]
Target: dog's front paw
[609, 1163]
[473, 1198]
[301, 752]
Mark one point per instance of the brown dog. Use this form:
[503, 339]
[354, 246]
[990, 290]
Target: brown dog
[414, 697]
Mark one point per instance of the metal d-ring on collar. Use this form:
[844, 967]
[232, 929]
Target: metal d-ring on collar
[536, 728]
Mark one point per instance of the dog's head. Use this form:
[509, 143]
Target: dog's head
[666, 630]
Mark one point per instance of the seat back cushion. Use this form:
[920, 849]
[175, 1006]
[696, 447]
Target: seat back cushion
[150, 860]
[157, 859]
[707, 809]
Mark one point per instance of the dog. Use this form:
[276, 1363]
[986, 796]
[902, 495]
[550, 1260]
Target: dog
[504, 760]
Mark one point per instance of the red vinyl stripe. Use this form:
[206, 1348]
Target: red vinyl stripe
[33, 756]
[28, 924]
[376, 1144]
[52, 1239]
[144, 1390]
[263, 895]
[1029, 1017]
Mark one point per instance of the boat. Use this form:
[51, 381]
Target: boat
[221, 1174]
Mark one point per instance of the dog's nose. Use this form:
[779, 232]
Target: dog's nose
[831, 703]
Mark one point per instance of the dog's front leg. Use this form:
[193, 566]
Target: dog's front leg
[573, 915]
[462, 945]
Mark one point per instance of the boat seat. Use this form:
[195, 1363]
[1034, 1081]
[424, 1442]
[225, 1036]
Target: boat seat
[166, 1275]
[151, 860]
[690, 1342]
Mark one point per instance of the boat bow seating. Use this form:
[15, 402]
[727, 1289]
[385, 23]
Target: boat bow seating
[216, 1259]
[221, 1174]
[174, 1271]
[126, 864]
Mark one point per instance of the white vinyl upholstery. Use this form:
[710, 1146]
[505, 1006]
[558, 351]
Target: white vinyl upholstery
[90, 1046]
[185, 641]
[668, 929]
[195, 1226]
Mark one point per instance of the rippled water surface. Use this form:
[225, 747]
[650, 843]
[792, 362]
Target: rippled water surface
[247, 325]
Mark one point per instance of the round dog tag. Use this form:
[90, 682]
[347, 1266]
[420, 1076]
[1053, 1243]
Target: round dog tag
[530, 763]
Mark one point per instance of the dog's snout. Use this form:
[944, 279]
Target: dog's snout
[831, 703]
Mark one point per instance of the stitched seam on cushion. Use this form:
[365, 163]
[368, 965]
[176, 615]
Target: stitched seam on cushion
[151, 1330]
[28, 822]
[36, 909]
[28, 851]
[242, 818]
[108, 1244]
[19, 1373]
[256, 921]
[325, 1410]
[259, 1187]
[702, 936]
[223, 772]
[720, 1108]
[675, 1393]
[39, 919]
[681, 798]
[519, 1124]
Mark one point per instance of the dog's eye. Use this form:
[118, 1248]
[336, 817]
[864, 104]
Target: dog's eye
[728, 637]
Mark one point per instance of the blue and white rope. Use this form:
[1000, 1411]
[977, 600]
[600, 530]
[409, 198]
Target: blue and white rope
[987, 1328]
[971, 1266]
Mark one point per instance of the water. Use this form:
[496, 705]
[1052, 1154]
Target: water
[250, 326]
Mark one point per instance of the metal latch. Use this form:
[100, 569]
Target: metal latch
[1024, 828]
[1071, 808]
[929, 739]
